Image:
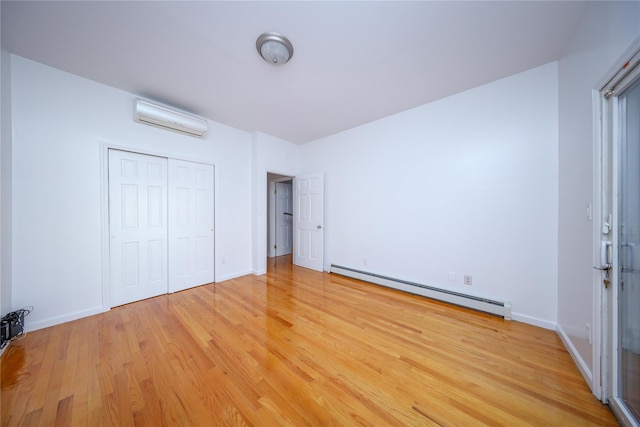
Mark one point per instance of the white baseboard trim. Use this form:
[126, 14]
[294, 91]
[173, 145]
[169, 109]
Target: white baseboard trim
[535, 321]
[579, 361]
[52, 321]
[234, 275]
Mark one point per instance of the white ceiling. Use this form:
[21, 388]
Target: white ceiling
[354, 62]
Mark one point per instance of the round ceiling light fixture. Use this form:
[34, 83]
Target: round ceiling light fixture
[274, 48]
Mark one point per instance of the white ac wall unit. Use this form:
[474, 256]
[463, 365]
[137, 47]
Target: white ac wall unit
[166, 118]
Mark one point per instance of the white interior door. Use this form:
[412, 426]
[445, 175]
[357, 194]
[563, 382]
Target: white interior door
[138, 226]
[190, 224]
[284, 218]
[308, 219]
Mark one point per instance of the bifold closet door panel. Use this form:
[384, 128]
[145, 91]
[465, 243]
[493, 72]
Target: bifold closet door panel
[137, 226]
[191, 224]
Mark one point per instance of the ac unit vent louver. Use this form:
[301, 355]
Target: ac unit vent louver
[163, 117]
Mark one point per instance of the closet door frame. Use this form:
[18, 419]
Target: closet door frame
[104, 209]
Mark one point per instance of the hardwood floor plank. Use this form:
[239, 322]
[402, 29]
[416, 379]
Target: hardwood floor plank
[32, 418]
[294, 347]
[63, 414]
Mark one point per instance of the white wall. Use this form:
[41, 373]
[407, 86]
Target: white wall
[59, 121]
[270, 154]
[604, 33]
[467, 184]
[5, 183]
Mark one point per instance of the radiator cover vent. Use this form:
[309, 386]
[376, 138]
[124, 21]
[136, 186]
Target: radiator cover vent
[500, 308]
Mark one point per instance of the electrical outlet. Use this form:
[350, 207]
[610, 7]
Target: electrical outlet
[467, 280]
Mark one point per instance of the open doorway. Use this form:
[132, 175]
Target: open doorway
[279, 215]
[306, 217]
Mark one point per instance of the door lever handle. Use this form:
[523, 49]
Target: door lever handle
[605, 255]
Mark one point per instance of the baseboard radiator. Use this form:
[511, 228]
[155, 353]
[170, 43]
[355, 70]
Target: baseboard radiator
[500, 308]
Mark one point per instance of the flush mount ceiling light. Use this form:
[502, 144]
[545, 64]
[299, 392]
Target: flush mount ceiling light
[274, 48]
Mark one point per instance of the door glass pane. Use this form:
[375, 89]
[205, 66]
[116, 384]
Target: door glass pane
[629, 251]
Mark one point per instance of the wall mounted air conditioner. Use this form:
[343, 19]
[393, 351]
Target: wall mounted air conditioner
[166, 118]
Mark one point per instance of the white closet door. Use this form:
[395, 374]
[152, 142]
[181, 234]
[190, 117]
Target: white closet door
[138, 226]
[190, 224]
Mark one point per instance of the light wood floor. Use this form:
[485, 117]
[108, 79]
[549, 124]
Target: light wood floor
[294, 347]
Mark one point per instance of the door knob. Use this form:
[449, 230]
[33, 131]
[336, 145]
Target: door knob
[319, 227]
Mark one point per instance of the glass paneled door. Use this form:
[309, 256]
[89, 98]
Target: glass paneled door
[629, 251]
